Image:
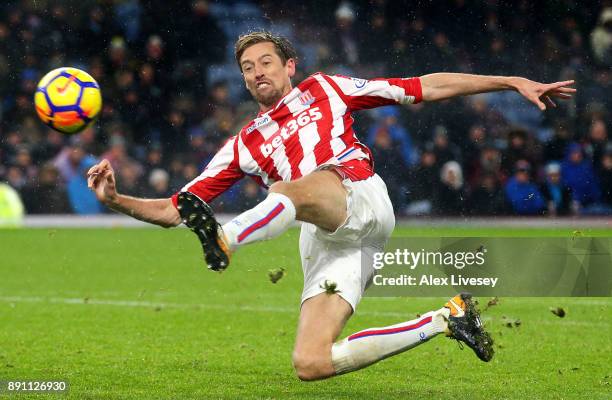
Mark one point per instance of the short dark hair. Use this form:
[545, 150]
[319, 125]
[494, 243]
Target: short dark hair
[283, 46]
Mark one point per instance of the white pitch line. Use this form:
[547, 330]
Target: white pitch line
[270, 309]
[138, 303]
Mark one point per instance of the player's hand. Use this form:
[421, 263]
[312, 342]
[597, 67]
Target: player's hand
[542, 94]
[101, 179]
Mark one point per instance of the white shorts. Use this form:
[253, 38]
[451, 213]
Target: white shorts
[336, 257]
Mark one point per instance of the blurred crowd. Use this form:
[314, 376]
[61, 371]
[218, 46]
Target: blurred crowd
[173, 93]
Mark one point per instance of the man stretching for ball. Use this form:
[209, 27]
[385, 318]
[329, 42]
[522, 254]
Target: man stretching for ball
[302, 147]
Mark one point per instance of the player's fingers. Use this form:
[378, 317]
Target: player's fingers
[561, 95]
[92, 182]
[94, 179]
[536, 100]
[105, 164]
[565, 89]
[560, 84]
[92, 170]
[550, 101]
[566, 92]
[108, 175]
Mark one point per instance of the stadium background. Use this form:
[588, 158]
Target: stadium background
[173, 93]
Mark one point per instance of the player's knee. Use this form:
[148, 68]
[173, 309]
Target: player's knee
[280, 187]
[308, 367]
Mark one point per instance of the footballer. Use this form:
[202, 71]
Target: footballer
[302, 147]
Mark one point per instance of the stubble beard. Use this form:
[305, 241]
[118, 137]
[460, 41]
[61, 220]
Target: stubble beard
[269, 99]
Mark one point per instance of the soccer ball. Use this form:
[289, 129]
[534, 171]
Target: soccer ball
[68, 100]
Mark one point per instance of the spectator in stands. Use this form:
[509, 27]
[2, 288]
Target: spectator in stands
[3, 165]
[175, 169]
[218, 98]
[51, 144]
[489, 163]
[440, 53]
[488, 197]
[555, 148]
[379, 27]
[199, 147]
[445, 150]
[129, 179]
[517, 150]
[189, 171]
[449, 197]
[597, 141]
[96, 30]
[16, 178]
[118, 156]
[23, 161]
[156, 55]
[388, 123]
[557, 195]
[422, 183]
[522, 194]
[345, 43]
[578, 174]
[47, 195]
[471, 149]
[10, 144]
[601, 39]
[72, 164]
[605, 176]
[206, 47]
[154, 158]
[82, 200]
[70, 160]
[391, 164]
[158, 185]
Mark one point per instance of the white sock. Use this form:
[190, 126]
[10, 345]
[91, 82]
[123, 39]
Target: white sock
[371, 345]
[266, 220]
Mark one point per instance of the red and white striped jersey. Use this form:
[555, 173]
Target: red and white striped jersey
[308, 128]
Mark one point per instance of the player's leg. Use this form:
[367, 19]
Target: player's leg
[322, 319]
[344, 258]
[458, 319]
[318, 198]
[324, 313]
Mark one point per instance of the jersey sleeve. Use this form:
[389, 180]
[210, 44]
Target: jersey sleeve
[218, 176]
[361, 94]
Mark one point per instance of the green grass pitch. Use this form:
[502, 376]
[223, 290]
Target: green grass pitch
[132, 313]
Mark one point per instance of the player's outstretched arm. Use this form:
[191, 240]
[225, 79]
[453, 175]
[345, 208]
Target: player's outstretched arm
[445, 85]
[101, 179]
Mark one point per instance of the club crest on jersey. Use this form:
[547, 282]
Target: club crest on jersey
[306, 98]
[258, 124]
[359, 83]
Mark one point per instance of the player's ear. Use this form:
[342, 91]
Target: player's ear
[290, 65]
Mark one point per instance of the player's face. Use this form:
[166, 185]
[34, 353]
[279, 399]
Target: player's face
[265, 75]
